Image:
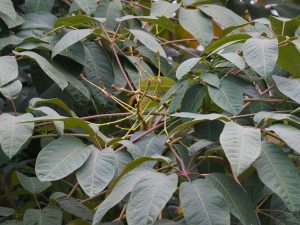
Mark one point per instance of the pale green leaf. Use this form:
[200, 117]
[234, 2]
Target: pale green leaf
[186, 67]
[32, 184]
[12, 90]
[50, 215]
[163, 8]
[7, 9]
[8, 69]
[289, 87]
[110, 10]
[38, 5]
[235, 59]
[88, 6]
[4, 211]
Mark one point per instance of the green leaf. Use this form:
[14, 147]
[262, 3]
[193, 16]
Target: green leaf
[38, 5]
[39, 20]
[122, 188]
[163, 8]
[193, 98]
[13, 134]
[290, 135]
[7, 9]
[223, 16]
[72, 206]
[32, 184]
[149, 145]
[8, 69]
[289, 87]
[234, 58]
[198, 24]
[57, 73]
[88, 6]
[237, 200]
[12, 222]
[211, 79]
[279, 174]
[203, 205]
[70, 39]
[54, 165]
[149, 196]
[49, 215]
[228, 97]
[4, 211]
[283, 26]
[97, 171]
[261, 55]
[149, 41]
[242, 146]
[12, 90]
[288, 57]
[110, 10]
[186, 67]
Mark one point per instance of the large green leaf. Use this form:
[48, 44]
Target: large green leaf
[123, 187]
[97, 171]
[198, 24]
[88, 6]
[149, 41]
[290, 135]
[261, 55]
[228, 97]
[149, 196]
[242, 146]
[57, 73]
[163, 8]
[223, 16]
[203, 205]
[70, 39]
[13, 134]
[38, 5]
[283, 26]
[186, 67]
[289, 87]
[7, 9]
[110, 10]
[279, 174]
[8, 69]
[52, 164]
[50, 215]
[238, 202]
[32, 184]
[288, 57]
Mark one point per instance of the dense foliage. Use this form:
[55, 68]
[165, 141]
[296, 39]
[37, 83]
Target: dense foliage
[149, 112]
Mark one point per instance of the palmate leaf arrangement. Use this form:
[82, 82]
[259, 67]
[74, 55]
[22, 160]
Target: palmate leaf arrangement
[140, 113]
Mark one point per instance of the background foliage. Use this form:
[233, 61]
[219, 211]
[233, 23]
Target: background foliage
[149, 112]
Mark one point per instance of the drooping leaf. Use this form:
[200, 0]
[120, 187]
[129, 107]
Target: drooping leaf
[13, 134]
[149, 41]
[38, 5]
[237, 200]
[70, 39]
[149, 197]
[12, 90]
[53, 165]
[198, 24]
[48, 215]
[32, 184]
[7, 9]
[242, 146]
[8, 69]
[278, 173]
[88, 6]
[122, 188]
[234, 58]
[186, 67]
[289, 87]
[200, 203]
[228, 97]
[97, 171]
[290, 135]
[110, 10]
[261, 55]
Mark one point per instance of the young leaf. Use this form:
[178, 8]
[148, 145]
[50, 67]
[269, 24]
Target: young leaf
[32, 184]
[261, 55]
[279, 174]
[70, 39]
[203, 205]
[237, 200]
[49, 215]
[149, 197]
[289, 87]
[97, 171]
[149, 41]
[53, 165]
[13, 134]
[228, 97]
[198, 24]
[242, 146]
[8, 69]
